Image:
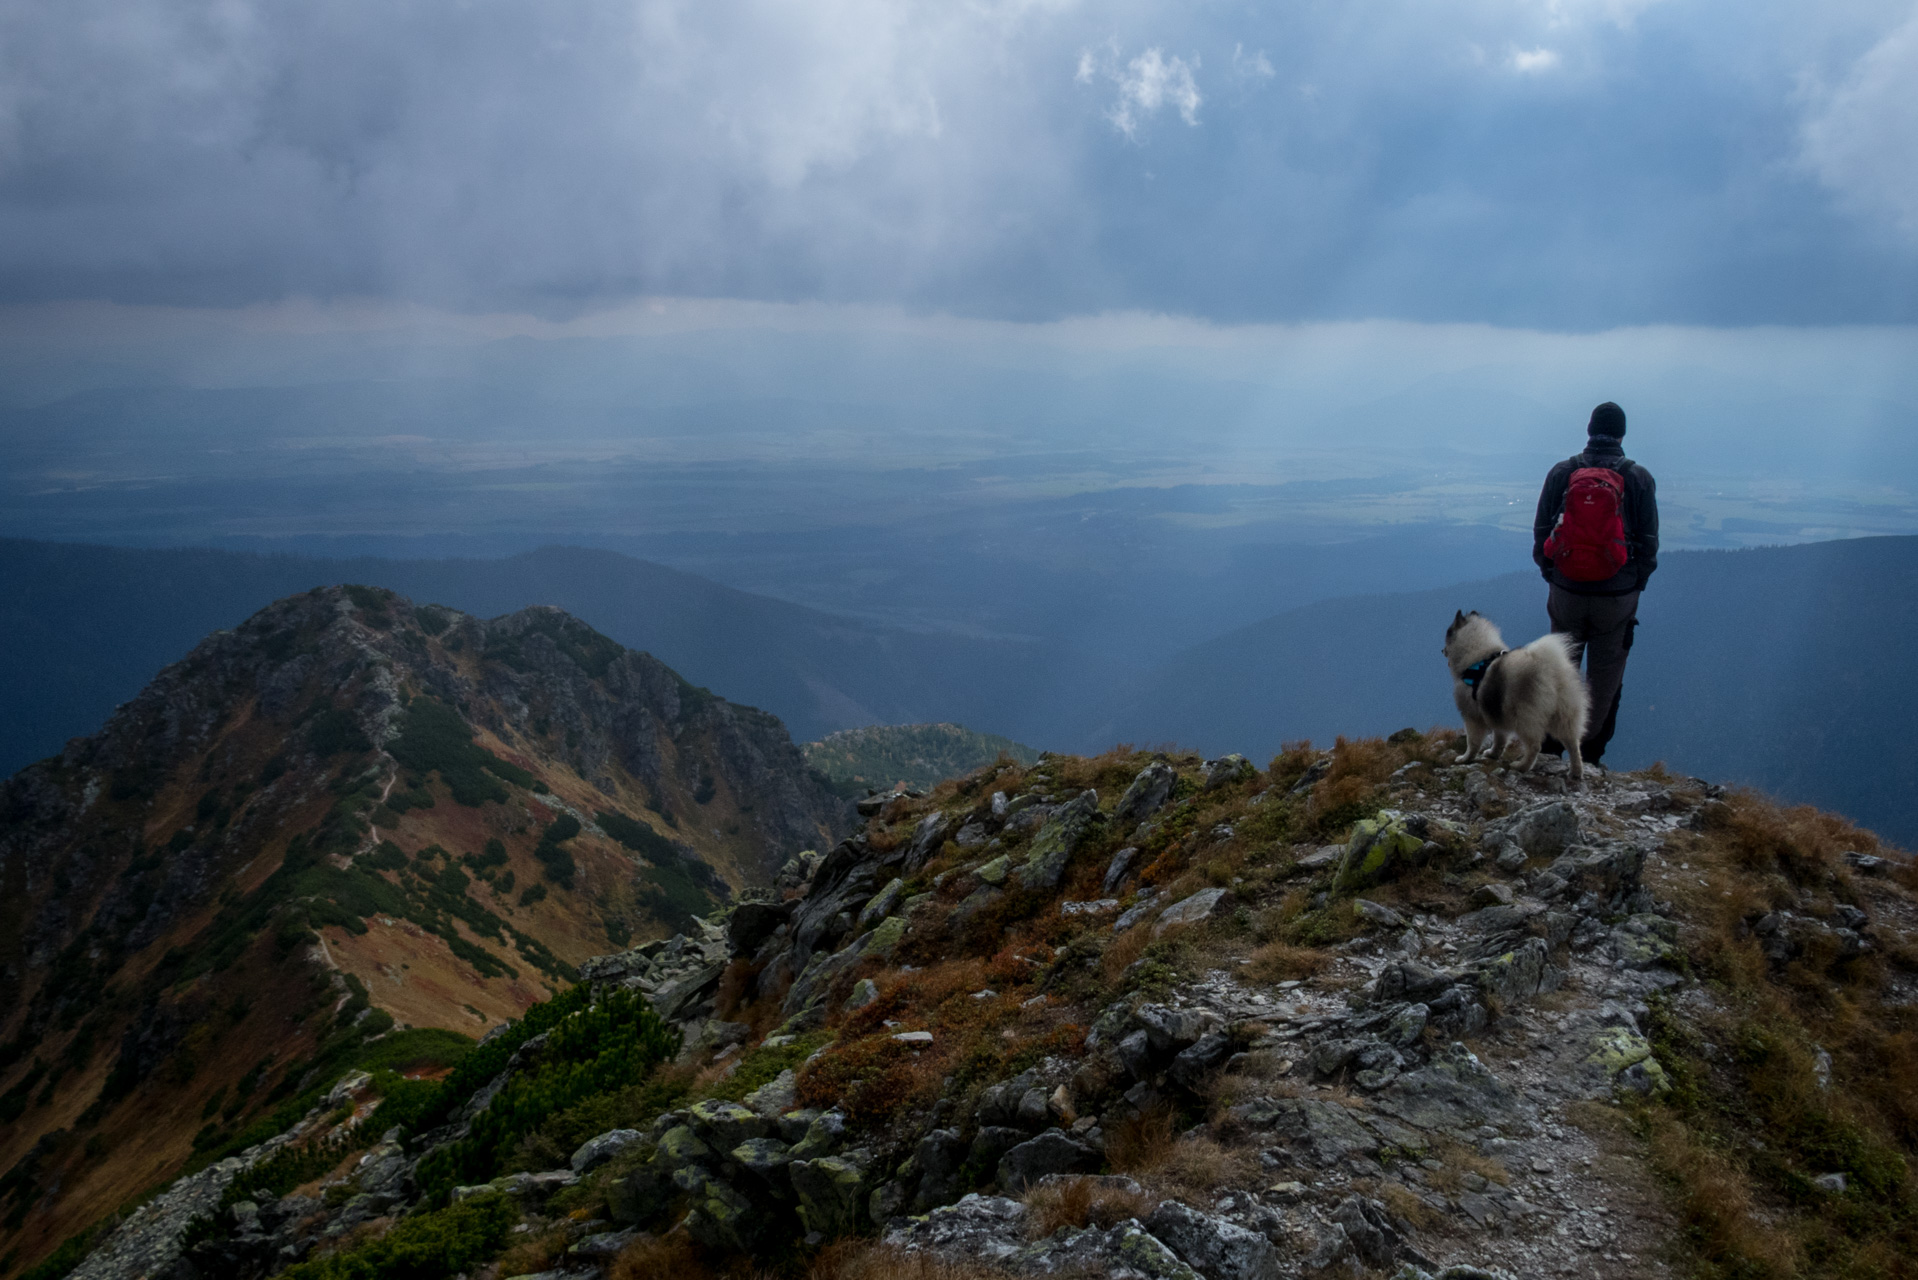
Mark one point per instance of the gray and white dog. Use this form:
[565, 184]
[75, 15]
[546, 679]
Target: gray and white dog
[1523, 694]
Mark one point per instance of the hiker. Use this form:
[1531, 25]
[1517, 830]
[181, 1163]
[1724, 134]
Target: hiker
[1595, 538]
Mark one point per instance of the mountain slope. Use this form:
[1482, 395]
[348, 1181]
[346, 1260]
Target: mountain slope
[1785, 668]
[87, 626]
[347, 813]
[919, 755]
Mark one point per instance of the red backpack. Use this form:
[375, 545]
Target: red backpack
[1589, 543]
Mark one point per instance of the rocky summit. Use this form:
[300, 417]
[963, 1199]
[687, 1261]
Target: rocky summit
[1362, 1012]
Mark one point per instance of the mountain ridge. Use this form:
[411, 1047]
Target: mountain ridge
[347, 815]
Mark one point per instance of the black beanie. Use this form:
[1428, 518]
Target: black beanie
[1607, 420]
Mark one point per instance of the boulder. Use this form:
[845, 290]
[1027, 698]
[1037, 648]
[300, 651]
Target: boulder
[676, 999]
[994, 872]
[1377, 913]
[1199, 1059]
[763, 1156]
[1201, 906]
[1544, 830]
[1064, 832]
[774, 1098]
[1054, 1151]
[724, 1123]
[597, 1151]
[722, 1218]
[939, 1157]
[1409, 980]
[987, 1229]
[1149, 791]
[881, 904]
[1169, 1030]
[884, 937]
[864, 992]
[1454, 1091]
[1117, 868]
[1218, 1249]
[1380, 849]
[751, 923]
[1227, 770]
[1322, 1132]
[1520, 974]
[927, 837]
[830, 1191]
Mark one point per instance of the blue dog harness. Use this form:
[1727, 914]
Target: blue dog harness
[1474, 675]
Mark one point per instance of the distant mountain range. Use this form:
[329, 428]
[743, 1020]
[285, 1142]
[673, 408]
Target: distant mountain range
[87, 626]
[1787, 668]
[1790, 669]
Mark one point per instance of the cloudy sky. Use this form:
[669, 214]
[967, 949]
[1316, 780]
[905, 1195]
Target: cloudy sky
[1556, 164]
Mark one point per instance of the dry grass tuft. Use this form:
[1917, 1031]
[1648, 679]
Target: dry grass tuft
[1718, 1207]
[535, 1253]
[1081, 1202]
[1281, 962]
[1139, 1144]
[651, 1257]
[1407, 1206]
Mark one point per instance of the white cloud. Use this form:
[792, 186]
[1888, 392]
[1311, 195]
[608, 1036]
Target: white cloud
[1861, 138]
[1147, 84]
[1253, 66]
[1533, 61]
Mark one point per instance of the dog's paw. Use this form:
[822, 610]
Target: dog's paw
[1464, 757]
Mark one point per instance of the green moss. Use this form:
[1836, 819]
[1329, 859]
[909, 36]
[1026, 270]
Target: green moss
[428, 1246]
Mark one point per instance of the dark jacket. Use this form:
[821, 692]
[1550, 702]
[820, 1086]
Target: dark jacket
[1641, 521]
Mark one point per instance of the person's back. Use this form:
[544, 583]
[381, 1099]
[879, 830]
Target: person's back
[1595, 539]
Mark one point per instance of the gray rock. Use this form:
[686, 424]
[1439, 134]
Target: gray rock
[1227, 770]
[927, 837]
[990, 1144]
[1117, 868]
[1217, 1249]
[1406, 1026]
[763, 1156]
[1149, 791]
[1201, 906]
[1138, 913]
[1381, 848]
[1053, 1151]
[597, 1151]
[1064, 832]
[881, 904]
[724, 1123]
[774, 1098]
[939, 1157]
[751, 923]
[1409, 980]
[1322, 1132]
[675, 999]
[1454, 1091]
[864, 992]
[976, 901]
[1170, 1030]
[1200, 1059]
[1520, 974]
[603, 1244]
[1542, 831]
[977, 1228]
[831, 1192]
[1370, 1228]
[1377, 913]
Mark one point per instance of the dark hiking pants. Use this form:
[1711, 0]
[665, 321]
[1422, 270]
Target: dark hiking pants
[1602, 626]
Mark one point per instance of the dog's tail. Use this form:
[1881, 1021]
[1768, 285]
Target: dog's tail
[1556, 644]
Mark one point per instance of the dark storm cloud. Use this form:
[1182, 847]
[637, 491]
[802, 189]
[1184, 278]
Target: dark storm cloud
[1564, 163]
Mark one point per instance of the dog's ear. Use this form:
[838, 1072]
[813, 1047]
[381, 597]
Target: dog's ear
[1458, 616]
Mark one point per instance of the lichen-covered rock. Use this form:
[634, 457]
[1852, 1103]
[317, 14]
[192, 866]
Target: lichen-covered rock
[1626, 1058]
[881, 904]
[884, 937]
[1061, 837]
[597, 1151]
[831, 1192]
[1149, 791]
[1380, 849]
[1053, 1151]
[994, 872]
[1454, 1091]
[1323, 1132]
[1227, 770]
[724, 1123]
[1520, 974]
[1218, 1249]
